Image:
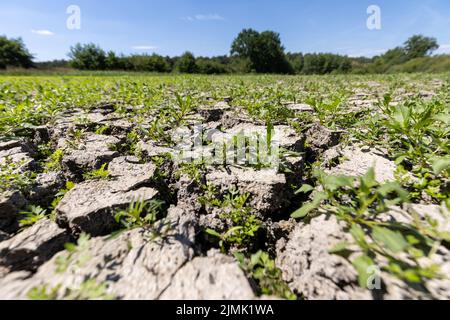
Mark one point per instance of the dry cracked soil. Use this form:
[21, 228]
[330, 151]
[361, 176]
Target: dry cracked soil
[173, 257]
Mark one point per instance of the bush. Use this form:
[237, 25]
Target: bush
[435, 64]
[325, 63]
[13, 53]
[186, 63]
[210, 66]
[297, 61]
[149, 63]
[87, 57]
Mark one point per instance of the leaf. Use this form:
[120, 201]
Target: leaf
[359, 235]
[362, 265]
[400, 159]
[402, 117]
[341, 249]
[254, 260]
[445, 235]
[306, 188]
[411, 275]
[232, 231]
[333, 183]
[308, 207]
[240, 258]
[445, 118]
[71, 247]
[70, 185]
[303, 211]
[393, 240]
[440, 164]
[390, 187]
[369, 178]
[213, 233]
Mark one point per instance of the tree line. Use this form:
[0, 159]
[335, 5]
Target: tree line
[251, 52]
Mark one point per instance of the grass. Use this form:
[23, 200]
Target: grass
[99, 174]
[32, 215]
[261, 268]
[243, 225]
[12, 176]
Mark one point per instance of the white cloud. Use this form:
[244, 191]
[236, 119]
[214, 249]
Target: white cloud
[144, 47]
[205, 17]
[443, 49]
[45, 33]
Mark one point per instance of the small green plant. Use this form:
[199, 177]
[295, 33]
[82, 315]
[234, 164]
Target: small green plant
[102, 129]
[359, 202]
[170, 117]
[416, 135]
[160, 161]
[99, 174]
[76, 137]
[77, 254]
[82, 120]
[32, 215]
[43, 292]
[158, 132]
[44, 150]
[243, 224]
[13, 177]
[194, 170]
[268, 277]
[58, 197]
[54, 163]
[423, 183]
[327, 110]
[363, 194]
[185, 105]
[144, 214]
[89, 289]
[131, 143]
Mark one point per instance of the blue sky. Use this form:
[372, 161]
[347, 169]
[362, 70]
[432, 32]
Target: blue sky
[207, 27]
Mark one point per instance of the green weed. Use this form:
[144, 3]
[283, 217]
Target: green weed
[32, 215]
[100, 174]
[268, 277]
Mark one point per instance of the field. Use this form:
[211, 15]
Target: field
[138, 186]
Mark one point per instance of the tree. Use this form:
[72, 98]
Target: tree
[210, 66]
[145, 62]
[263, 50]
[14, 53]
[157, 63]
[324, 63]
[112, 61]
[419, 46]
[87, 57]
[245, 45]
[296, 60]
[52, 64]
[395, 56]
[186, 63]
